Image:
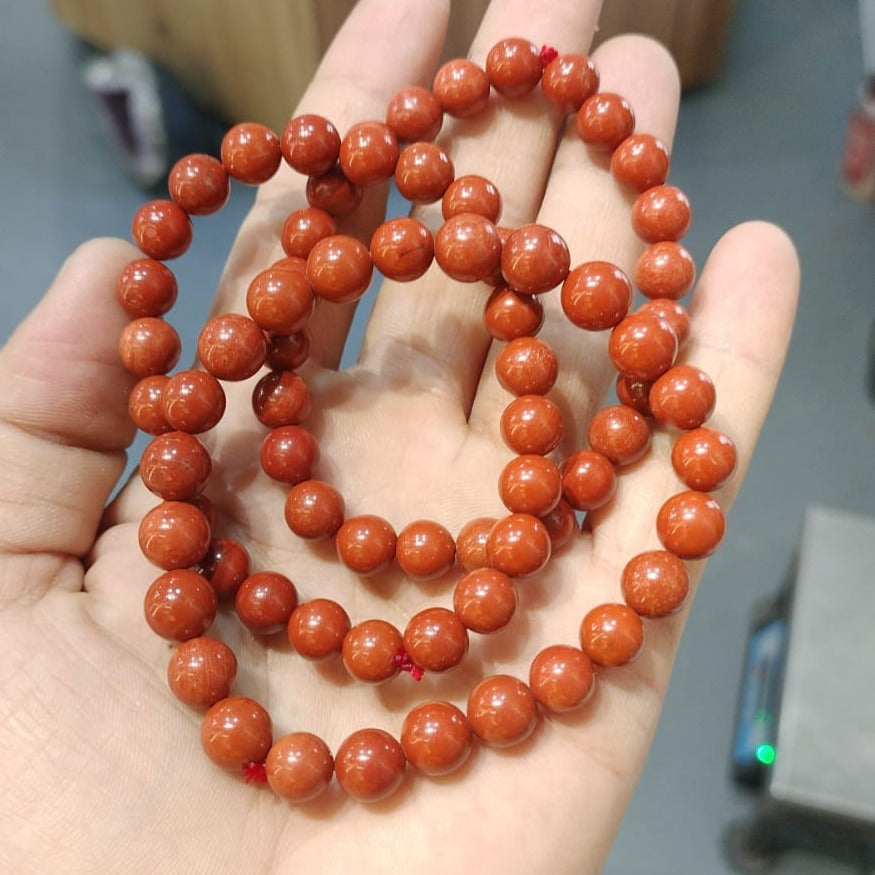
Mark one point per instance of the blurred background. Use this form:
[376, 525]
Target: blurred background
[772, 126]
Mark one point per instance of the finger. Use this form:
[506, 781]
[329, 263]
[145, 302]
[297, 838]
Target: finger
[592, 213]
[433, 332]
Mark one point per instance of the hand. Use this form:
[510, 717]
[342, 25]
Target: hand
[103, 767]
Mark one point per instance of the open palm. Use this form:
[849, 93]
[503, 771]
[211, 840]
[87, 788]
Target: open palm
[107, 766]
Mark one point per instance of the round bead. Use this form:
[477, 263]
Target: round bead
[612, 635]
[532, 424]
[402, 249]
[534, 259]
[561, 523]
[161, 229]
[665, 270]
[621, 433]
[314, 510]
[287, 352]
[251, 153]
[502, 711]
[423, 172]
[145, 405]
[201, 671]
[596, 295]
[471, 194]
[425, 550]
[640, 162]
[436, 738]
[661, 213]
[670, 311]
[146, 287]
[634, 393]
[684, 396]
[588, 480]
[340, 268]
[371, 651]
[704, 459]
[231, 347]
[484, 600]
[199, 184]
[655, 583]
[461, 87]
[179, 605]
[265, 601]
[193, 401]
[369, 765]
[235, 732]
[333, 193]
[604, 121]
[310, 144]
[468, 248]
[368, 153]
[415, 114]
[289, 454]
[175, 466]
[175, 534]
[299, 766]
[225, 566]
[149, 346]
[509, 315]
[303, 229]
[281, 398]
[568, 80]
[530, 484]
[514, 66]
[642, 347]
[280, 300]
[561, 678]
[318, 628]
[691, 524]
[518, 545]
[436, 639]
[471, 543]
[366, 544]
[527, 366]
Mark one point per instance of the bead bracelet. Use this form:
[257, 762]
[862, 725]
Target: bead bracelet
[202, 569]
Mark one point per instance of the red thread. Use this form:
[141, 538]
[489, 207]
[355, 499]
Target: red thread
[548, 53]
[405, 663]
[254, 773]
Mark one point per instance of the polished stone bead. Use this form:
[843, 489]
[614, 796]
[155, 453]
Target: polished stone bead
[634, 393]
[619, 432]
[485, 600]
[146, 407]
[655, 583]
[509, 315]
[661, 213]
[691, 524]
[670, 311]
[596, 295]
[612, 635]
[251, 152]
[310, 144]
[684, 397]
[146, 287]
[180, 604]
[289, 454]
[236, 732]
[665, 270]
[502, 711]
[532, 424]
[369, 765]
[415, 114]
[588, 480]
[333, 192]
[561, 523]
[425, 550]
[314, 510]
[199, 184]
[436, 639]
[161, 229]
[174, 534]
[530, 484]
[642, 346]
[225, 566]
[604, 121]
[471, 542]
[471, 194]
[561, 678]
[436, 738]
[287, 352]
[468, 248]
[462, 88]
[193, 401]
[402, 249]
[519, 545]
[568, 80]
[640, 162]
[527, 366]
[175, 466]
[704, 458]
[423, 172]
[299, 766]
[534, 259]
[201, 671]
[265, 601]
[366, 544]
[281, 398]
[514, 66]
[280, 300]
[318, 628]
[303, 229]
[368, 153]
[231, 347]
[149, 346]
[340, 268]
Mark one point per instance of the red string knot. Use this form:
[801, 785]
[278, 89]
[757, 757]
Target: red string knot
[548, 53]
[254, 773]
[405, 663]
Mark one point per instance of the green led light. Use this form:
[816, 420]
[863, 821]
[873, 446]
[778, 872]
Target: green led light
[765, 753]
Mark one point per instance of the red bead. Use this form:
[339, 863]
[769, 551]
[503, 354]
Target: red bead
[423, 172]
[314, 510]
[530, 484]
[369, 765]
[201, 671]
[672, 312]
[588, 480]
[280, 300]
[193, 401]
[471, 543]
[161, 229]
[561, 678]
[199, 184]
[287, 352]
[145, 405]
[402, 249]
[179, 605]
[303, 229]
[149, 346]
[415, 114]
[340, 268]
[471, 194]
[436, 639]
[519, 545]
[642, 347]
[461, 87]
[634, 393]
[436, 738]
[561, 523]
[514, 66]
[604, 121]
[146, 287]
[661, 213]
[299, 766]
[509, 315]
[532, 424]
[612, 635]
[485, 600]
[265, 601]
[621, 433]
[289, 454]
[368, 153]
[310, 144]
[366, 544]
[251, 153]
[683, 396]
[425, 550]
[175, 534]
[231, 347]
[281, 398]
[691, 525]
[318, 628]
[640, 162]
[534, 259]
[175, 466]
[333, 193]
[235, 732]
[655, 583]
[596, 295]
[225, 566]
[704, 459]
[527, 366]
[568, 80]
[502, 711]
[665, 270]
[468, 248]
